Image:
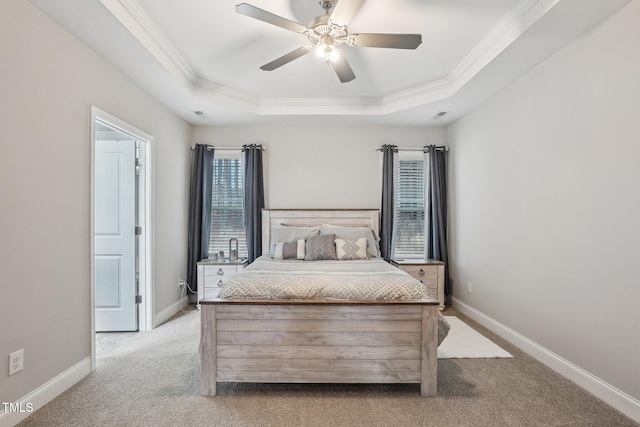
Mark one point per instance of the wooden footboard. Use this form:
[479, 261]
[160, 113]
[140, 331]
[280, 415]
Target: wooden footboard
[318, 341]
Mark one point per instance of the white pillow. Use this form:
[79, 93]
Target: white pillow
[351, 249]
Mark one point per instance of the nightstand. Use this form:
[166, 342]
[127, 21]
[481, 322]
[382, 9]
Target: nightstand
[213, 273]
[428, 271]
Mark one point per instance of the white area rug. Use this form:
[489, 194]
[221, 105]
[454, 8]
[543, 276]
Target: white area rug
[463, 342]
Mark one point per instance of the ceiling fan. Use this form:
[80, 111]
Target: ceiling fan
[327, 32]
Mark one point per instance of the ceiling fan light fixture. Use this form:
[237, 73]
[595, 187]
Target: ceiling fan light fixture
[327, 31]
[326, 49]
[327, 52]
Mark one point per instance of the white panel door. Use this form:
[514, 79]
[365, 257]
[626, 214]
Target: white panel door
[115, 241]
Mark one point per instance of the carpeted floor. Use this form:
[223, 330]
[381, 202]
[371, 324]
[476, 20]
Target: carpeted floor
[152, 379]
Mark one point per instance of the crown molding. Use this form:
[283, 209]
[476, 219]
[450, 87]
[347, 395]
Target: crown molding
[502, 35]
[134, 18]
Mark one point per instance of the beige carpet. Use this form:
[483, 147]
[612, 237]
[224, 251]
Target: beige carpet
[152, 379]
[464, 342]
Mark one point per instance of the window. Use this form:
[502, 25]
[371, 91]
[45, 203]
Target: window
[409, 236]
[227, 204]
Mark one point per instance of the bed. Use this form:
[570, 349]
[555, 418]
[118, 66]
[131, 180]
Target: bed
[324, 321]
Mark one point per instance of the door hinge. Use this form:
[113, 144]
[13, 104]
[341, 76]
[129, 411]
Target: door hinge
[138, 299]
[138, 231]
[138, 162]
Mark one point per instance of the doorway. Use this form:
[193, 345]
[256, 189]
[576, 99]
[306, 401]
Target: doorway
[120, 258]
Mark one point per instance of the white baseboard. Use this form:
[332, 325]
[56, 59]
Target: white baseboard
[170, 311]
[46, 393]
[594, 385]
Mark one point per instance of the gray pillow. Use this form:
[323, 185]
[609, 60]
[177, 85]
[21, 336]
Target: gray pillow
[355, 233]
[320, 247]
[290, 234]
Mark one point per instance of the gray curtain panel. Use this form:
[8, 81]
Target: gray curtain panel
[253, 199]
[437, 211]
[388, 203]
[199, 210]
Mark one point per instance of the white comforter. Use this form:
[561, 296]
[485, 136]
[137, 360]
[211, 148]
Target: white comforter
[291, 279]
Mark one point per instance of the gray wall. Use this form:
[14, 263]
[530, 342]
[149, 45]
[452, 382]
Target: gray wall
[321, 166]
[48, 82]
[544, 198]
[545, 202]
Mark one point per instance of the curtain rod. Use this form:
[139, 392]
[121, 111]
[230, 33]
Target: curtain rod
[439, 147]
[213, 147]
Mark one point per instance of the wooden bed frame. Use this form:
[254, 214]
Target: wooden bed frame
[318, 341]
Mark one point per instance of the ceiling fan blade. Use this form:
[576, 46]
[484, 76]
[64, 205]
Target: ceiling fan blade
[285, 59]
[263, 15]
[394, 41]
[343, 69]
[344, 11]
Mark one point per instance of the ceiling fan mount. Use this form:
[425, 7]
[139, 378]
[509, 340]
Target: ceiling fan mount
[325, 37]
[327, 4]
[326, 32]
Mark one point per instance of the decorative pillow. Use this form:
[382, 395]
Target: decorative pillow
[355, 233]
[351, 249]
[289, 250]
[320, 247]
[289, 234]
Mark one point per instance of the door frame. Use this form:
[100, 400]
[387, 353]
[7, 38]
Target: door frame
[145, 263]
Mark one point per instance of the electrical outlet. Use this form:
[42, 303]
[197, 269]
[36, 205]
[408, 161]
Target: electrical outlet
[180, 282]
[16, 361]
[469, 287]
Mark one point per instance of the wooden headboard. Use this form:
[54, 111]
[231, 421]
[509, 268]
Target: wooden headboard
[316, 217]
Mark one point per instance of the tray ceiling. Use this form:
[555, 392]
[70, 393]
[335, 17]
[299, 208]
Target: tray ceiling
[200, 55]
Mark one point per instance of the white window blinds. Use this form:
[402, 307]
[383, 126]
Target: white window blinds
[409, 221]
[227, 210]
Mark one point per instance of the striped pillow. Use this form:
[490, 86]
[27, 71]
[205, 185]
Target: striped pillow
[289, 250]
